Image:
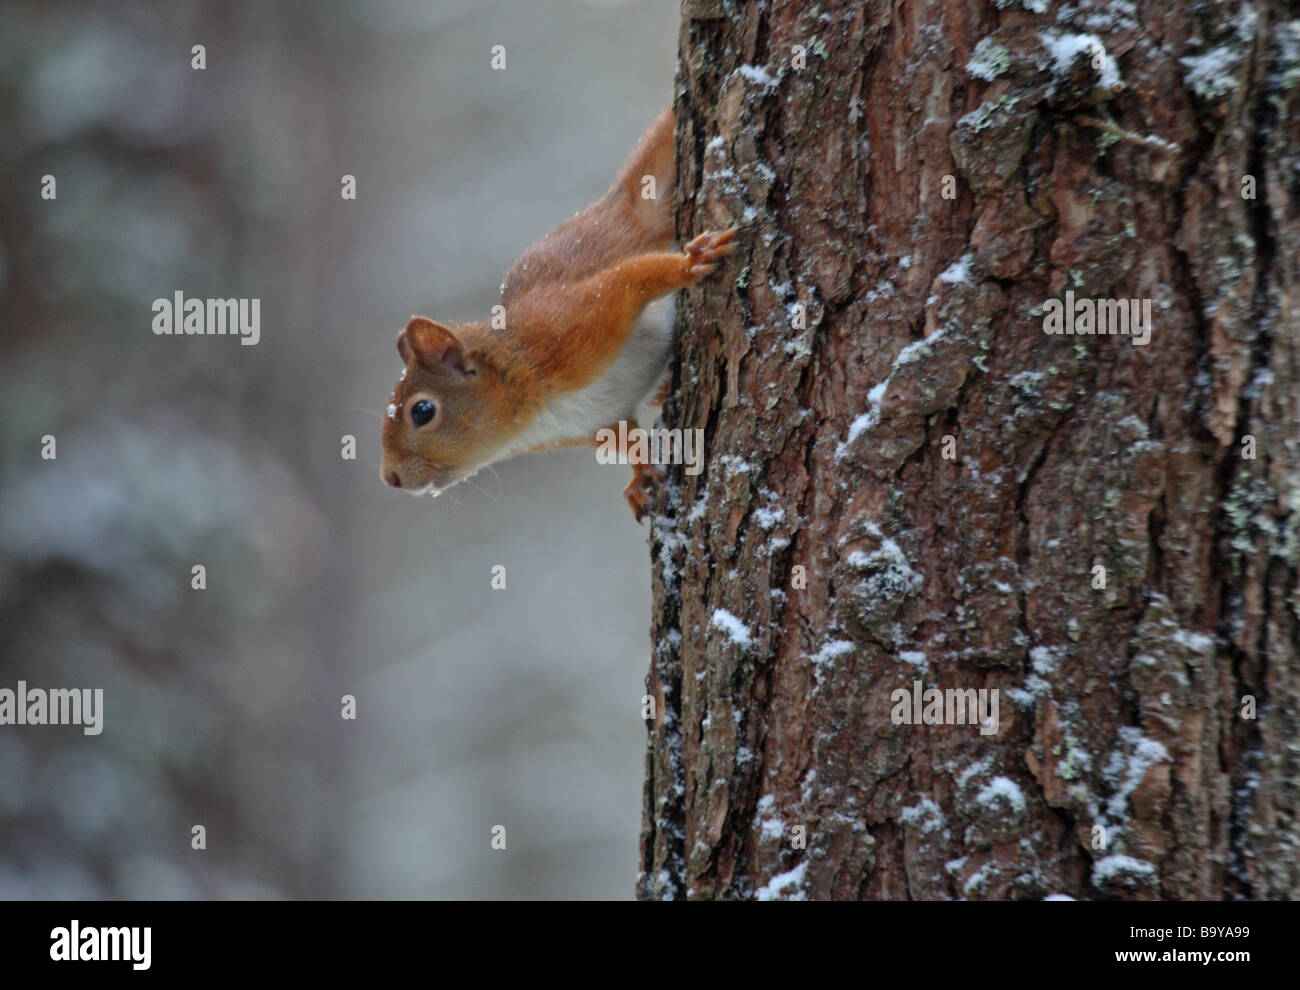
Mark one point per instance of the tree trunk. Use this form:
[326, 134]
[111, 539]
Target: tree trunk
[908, 479]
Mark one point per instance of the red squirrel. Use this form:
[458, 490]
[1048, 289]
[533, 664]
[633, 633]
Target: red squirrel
[589, 316]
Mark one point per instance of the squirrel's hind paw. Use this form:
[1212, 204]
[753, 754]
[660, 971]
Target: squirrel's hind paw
[640, 490]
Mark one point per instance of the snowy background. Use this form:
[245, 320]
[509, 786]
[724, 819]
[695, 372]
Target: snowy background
[475, 707]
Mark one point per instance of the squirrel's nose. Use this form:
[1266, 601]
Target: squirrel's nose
[392, 478]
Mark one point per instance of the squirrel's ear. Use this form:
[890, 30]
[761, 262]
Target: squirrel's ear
[432, 345]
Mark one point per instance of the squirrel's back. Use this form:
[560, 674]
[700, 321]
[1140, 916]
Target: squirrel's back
[625, 222]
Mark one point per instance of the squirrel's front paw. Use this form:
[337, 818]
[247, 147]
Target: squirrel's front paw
[704, 253]
[640, 489]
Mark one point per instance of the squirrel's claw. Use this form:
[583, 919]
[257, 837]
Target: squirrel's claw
[640, 489]
[705, 251]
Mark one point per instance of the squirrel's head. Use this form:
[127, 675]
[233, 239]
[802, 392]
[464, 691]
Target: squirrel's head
[439, 428]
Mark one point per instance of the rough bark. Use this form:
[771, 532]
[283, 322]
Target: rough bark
[1120, 707]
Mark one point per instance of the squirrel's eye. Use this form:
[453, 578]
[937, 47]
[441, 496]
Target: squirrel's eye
[422, 412]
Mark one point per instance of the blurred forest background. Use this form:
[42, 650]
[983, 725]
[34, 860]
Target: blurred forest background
[475, 707]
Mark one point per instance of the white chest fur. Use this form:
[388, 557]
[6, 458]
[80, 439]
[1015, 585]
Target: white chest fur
[621, 393]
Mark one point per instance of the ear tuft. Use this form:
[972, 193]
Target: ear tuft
[432, 345]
